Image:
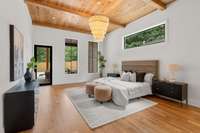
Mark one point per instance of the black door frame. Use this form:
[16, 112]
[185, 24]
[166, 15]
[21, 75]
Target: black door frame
[51, 54]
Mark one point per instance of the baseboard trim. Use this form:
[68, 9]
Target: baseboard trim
[168, 98]
[69, 84]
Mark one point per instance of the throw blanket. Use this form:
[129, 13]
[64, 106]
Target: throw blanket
[122, 91]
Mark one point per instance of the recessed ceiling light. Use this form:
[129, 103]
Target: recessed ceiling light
[53, 18]
[99, 3]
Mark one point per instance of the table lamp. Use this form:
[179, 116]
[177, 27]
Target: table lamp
[173, 69]
[115, 67]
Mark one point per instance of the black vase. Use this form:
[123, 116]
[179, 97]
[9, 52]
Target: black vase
[101, 73]
[27, 75]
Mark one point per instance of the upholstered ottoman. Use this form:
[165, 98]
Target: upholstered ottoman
[102, 93]
[90, 88]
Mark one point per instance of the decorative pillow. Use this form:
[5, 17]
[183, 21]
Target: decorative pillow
[133, 77]
[140, 76]
[130, 71]
[148, 78]
[125, 76]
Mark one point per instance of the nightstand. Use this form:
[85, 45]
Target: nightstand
[113, 75]
[172, 90]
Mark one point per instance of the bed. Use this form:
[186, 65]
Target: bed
[123, 91]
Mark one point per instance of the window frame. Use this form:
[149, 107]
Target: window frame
[97, 57]
[149, 27]
[77, 59]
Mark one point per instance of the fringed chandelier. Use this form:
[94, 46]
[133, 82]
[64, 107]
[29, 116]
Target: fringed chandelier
[98, 26]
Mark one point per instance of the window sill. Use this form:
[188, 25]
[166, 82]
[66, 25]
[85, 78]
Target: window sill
[66, 74]
[94, 73]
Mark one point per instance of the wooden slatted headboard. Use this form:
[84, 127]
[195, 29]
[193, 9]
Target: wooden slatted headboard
[148, 66]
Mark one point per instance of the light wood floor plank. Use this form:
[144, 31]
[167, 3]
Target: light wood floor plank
[57, 114]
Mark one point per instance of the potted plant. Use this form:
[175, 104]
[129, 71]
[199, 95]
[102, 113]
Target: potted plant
[102, 62]
[30, 66]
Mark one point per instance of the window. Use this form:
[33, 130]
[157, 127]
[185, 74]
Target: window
[149, 36]
[92, 57]
[71, 56]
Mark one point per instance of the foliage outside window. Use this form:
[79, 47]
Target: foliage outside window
[43, 59]
[71, 56]
[92, 57]
[147, 37]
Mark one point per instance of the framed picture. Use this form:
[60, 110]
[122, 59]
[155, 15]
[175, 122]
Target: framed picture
[16, 54]
[148, 36]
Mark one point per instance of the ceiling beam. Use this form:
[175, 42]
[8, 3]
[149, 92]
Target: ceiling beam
[70, 28]
[158, 4]
[67, 9]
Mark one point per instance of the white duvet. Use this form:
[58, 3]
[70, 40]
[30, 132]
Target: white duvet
[123, 91]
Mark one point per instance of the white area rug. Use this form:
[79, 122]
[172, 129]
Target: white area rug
[96, 114]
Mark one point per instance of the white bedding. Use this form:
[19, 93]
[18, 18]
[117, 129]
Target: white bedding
[123, 91]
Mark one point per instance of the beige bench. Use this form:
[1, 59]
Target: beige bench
[90, 88]
[102, 93]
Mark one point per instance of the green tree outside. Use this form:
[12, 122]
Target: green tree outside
[147, 37]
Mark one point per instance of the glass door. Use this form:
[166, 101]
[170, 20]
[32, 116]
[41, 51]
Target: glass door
[43, 56]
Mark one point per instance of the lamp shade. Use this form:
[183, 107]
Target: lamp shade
[98, 26]
[174, 67]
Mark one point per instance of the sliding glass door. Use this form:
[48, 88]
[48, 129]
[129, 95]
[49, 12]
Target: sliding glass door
[43, 56]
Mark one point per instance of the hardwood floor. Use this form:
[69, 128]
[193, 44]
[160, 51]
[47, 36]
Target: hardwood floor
[56, 114]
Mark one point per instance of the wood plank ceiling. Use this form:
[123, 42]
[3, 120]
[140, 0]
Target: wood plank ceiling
[73, 14]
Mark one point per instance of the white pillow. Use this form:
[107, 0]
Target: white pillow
[148, 78]
[133, 77]
[125, 76]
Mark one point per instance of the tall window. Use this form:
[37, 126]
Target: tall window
[71, 56]
[92, 57]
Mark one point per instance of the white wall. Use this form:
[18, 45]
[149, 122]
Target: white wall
[56, 38]
[182, 46]
[12, 12]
